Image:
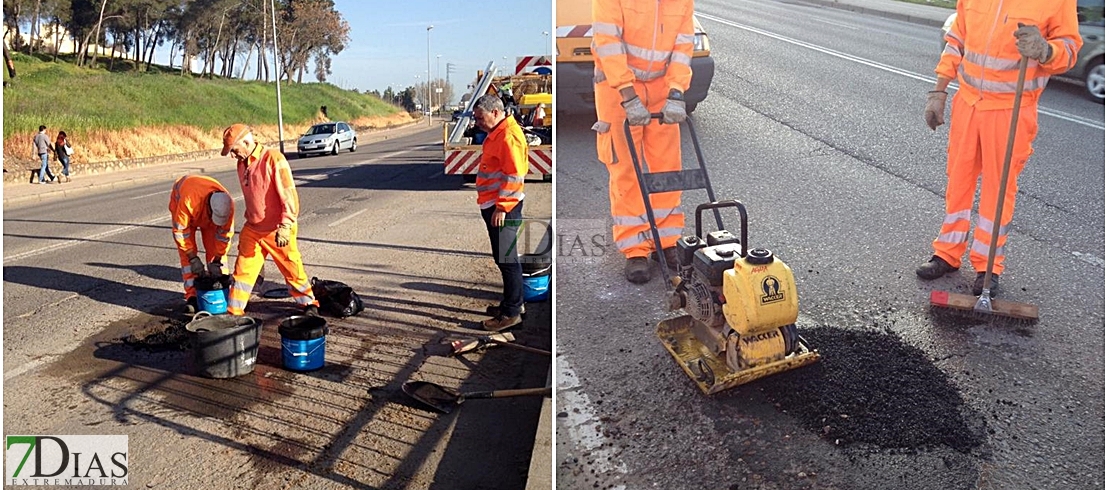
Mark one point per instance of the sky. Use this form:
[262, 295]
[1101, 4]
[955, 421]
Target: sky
[389, 40]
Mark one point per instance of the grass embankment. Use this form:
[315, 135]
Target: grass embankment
[121, 115]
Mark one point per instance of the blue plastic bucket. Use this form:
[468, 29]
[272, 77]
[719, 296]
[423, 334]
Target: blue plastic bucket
[537, 277]
[214, 302]
[303, 342]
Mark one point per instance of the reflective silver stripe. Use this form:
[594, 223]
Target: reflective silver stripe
[984, 249]
[186, 270]
[985, 224]
[992, 62]
[598, 75]
[178, 226]
[514, 179]
[613, 49]
[489, 187]
[951, 49]
[223, 239]
[605, 28]
[303, 300]
[681, 58]
[956, 216]
[1071, 49]
[661, 214]
[511, 194]
[242, 286]
[237, 304]
[487, 203]
[305, 289]
[954, 36]
[180, 236]
[647, 54]
[644, 75]
[189, 283]
[684, 39]
[645, 236]
[490, 175]
[1001, 87]
[952, 237]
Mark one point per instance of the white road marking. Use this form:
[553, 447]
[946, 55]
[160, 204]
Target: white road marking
[148, 195]
[583, 426]
[1100, 125]
[348, 217]
[1090, 259]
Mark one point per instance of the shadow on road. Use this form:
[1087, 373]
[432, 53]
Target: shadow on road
[160, 272]
[138, 298]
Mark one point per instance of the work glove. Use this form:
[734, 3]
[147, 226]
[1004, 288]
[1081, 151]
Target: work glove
[284, 233]
[674, 110]
[933, 109]
[196, 265]
[1032, 44]
[637, 114]
[215, 268]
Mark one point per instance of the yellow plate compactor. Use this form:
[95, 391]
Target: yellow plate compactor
[740, 305]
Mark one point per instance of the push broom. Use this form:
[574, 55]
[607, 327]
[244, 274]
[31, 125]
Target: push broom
[984, 305]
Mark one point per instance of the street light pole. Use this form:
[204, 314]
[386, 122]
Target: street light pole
[546, 44]
[277, 72]
[429, 28]
[438, 85]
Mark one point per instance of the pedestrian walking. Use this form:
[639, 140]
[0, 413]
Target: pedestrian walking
[42, 150]
[642, 52]
[62, 152]
[984, 49]
[272, 209]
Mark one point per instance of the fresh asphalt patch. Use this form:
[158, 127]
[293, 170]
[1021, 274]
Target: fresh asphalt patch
[869, 387]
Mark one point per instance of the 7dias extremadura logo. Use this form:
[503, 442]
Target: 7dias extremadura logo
[65, 460]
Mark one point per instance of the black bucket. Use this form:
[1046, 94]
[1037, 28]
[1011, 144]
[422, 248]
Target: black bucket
[224, 346]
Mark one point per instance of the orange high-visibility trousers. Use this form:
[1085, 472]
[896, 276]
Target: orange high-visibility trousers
[976, 147]
[254, 247]
[659, 145]
[208, 237]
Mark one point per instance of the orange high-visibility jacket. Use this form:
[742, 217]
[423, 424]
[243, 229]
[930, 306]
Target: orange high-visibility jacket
[504, 164]
[188, 207]
[268, 189]
[643, 40]
[982, 51]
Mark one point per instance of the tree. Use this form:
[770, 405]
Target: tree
[307, 28]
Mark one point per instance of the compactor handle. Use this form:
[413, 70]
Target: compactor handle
[726, 204]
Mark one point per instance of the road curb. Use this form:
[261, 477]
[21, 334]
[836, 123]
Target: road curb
[911, 18]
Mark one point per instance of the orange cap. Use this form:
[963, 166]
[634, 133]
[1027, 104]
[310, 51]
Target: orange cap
[232, 135]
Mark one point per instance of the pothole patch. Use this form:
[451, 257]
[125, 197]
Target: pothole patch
[870, 387]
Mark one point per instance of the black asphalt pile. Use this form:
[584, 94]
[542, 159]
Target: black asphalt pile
[169, 335]
[870, 387]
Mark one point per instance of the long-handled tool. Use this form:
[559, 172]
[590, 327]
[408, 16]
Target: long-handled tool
[505, 339]
[984, 304]
[444, 399]
[740, 305]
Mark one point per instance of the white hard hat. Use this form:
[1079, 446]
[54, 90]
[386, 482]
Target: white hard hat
[220, 203]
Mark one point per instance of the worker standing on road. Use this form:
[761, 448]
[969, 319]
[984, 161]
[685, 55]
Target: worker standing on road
[200, 204]
[272, 207]
[500, 194]
[642, 52]
[984, 48]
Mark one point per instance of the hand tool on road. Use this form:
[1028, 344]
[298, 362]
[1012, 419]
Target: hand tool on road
[984, 306]
[505, 339]
[444, 399]
[740, 305]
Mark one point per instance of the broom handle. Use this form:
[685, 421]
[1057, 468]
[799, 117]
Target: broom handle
[533, 350]
[1005, 170]
[507, 393]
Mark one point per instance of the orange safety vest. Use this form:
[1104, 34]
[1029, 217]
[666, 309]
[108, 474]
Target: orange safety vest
[268, 189]
[504, 164]
[982, 51]
[640, 40]
[188, 207]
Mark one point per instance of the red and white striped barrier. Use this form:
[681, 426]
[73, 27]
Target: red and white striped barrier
[466, 162]
[527, 64]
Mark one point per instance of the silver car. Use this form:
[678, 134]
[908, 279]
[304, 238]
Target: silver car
[327, 137]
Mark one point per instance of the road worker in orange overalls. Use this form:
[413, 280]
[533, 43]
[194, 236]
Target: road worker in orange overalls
[200, 204]
[642, 53]
[272, 206]
[984, 48]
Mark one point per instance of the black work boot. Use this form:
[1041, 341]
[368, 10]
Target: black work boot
[935, 268]
[637, 270]
[191, 306]
[311, 310]
[980, 280]
[495, 310]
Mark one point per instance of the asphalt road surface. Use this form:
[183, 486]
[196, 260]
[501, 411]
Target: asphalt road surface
[814, 121]
[93, 345]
